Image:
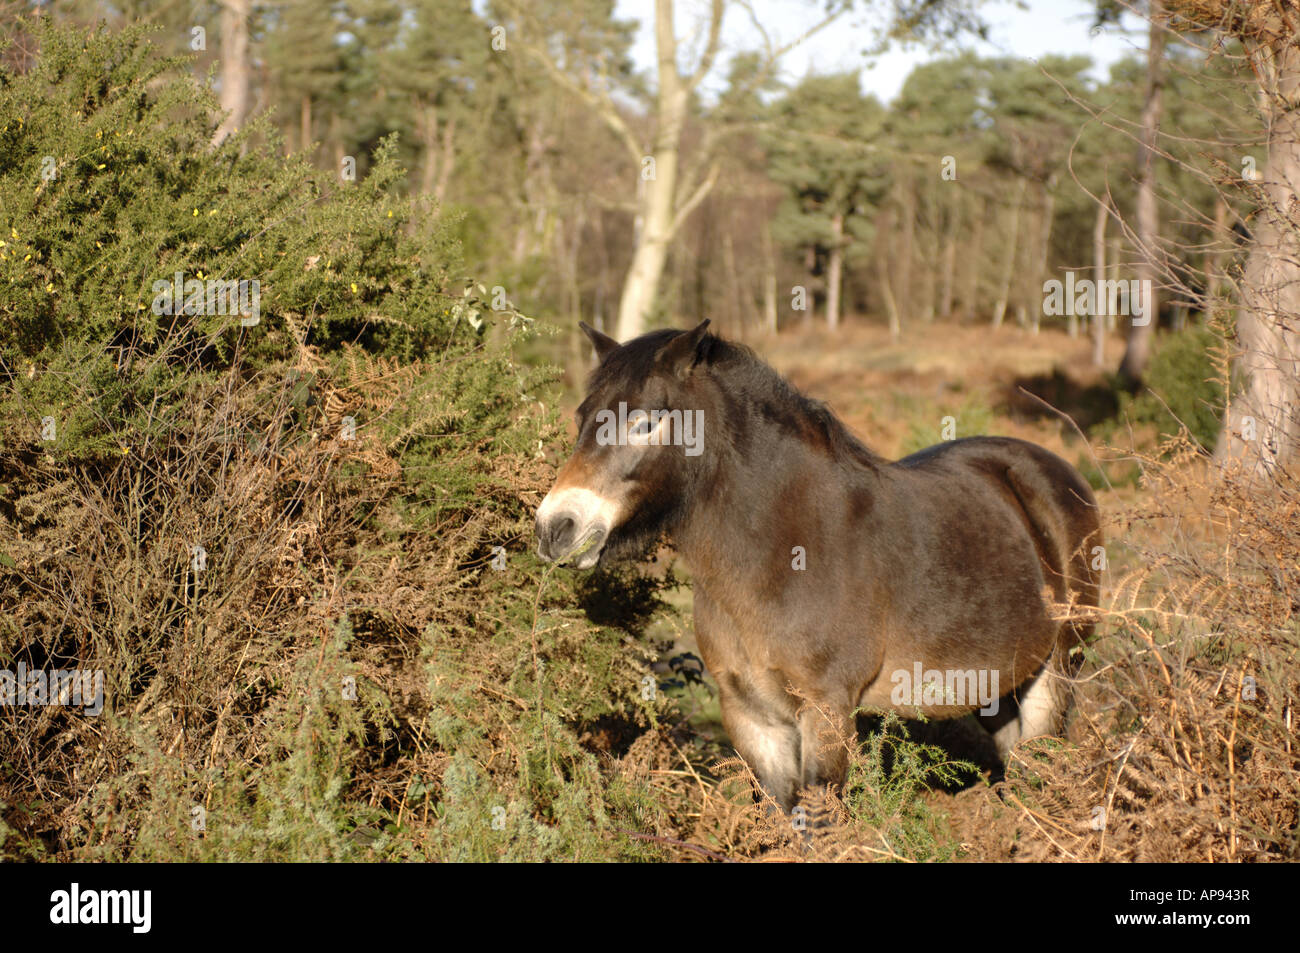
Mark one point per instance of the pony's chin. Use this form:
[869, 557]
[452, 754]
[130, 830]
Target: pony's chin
[589, 551]
[587, 560]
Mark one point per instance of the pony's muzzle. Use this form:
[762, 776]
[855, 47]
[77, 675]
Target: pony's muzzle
[572, 525]
[562, 535]
[556, 535]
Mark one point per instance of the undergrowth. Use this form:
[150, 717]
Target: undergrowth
[300, 553]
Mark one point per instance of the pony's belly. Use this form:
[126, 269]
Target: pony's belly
[913, 689]
[882, 700]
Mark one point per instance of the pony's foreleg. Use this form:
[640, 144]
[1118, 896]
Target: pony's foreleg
[768, 743]
[826, 734]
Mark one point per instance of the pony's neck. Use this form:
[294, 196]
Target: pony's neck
[760, 501]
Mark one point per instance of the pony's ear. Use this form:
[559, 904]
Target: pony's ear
[603, 343]
[683, 352]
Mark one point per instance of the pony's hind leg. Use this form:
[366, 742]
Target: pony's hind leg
[1035, 708]
[1042, 705]
[1003, 725]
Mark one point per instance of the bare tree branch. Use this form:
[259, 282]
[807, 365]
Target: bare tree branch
[685, 208]
[600, 103]
[711, 47]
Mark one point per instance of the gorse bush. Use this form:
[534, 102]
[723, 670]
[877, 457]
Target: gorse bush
[298, 549]
[972, 419]
[1183, 388]
[110, 187]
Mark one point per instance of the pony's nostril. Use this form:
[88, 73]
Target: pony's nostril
[562, 532]
[555, 536]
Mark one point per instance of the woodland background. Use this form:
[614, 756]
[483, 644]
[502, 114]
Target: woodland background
[431, 195]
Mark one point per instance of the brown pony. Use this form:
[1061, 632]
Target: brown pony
[827, 578]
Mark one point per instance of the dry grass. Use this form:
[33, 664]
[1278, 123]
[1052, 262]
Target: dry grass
[225, 667]
[482, 690]
[1183, 745]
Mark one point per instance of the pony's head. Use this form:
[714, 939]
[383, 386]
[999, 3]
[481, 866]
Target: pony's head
[640, 451]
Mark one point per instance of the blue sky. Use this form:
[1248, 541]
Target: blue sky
[1031, 29]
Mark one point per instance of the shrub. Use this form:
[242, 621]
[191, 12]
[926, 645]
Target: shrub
[971, 419]
[1182, 388]
[1183, 746]
[299, 550]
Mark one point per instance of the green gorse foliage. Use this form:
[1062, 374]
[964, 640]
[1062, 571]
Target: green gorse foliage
[363, 559]
[885, 788]
[110, 185]
[1183, 388]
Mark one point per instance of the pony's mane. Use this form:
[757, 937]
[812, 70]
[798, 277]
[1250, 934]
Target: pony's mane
[747, 377]
[738, 364]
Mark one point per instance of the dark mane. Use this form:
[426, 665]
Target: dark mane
[772, 396]
[842, 443]
[755, 385]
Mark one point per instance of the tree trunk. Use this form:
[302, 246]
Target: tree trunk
[1137, 352]
[234, 67]
[1044, 255]
[769, 280]
[1113, 263]
[304, 129]
[537, 188]
[448, 161]
[1220, 243]
[426, 118]
[568, 253]
[336, 137]
[882, 276]
[908, 250]
[1267, 330]
[810, 266]
[437, 143]
[835, 272]
[976, 265]
[737, 315]
[1099, 272]
[1008, 270]
[658, 198]
[930, 254]
[949, 259]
